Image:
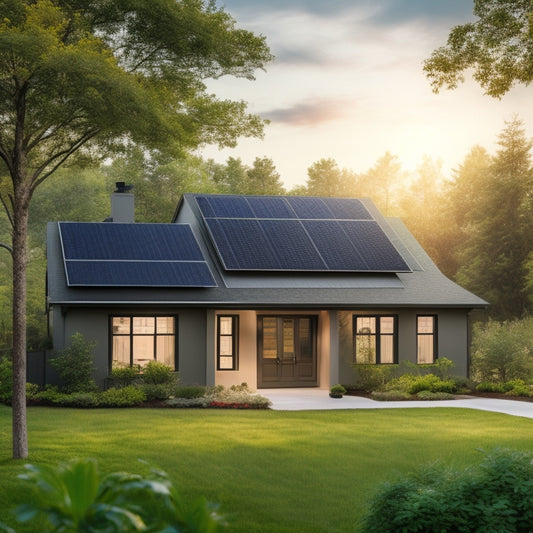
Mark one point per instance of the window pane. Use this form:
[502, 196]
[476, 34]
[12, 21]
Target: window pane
[225, 346]
[225, 325]
[143, 349]
[121, 350]
[288, 338]
[305, 333]
[165, 350]
[425, 324]
[425, 349]
[121, 325]
[366, 349]
[165, 324]
[225, 363]
[366, 324]
[143, 325]
[386, 324]
[387, 349]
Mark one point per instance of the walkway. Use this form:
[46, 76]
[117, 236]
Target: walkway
[318, 399]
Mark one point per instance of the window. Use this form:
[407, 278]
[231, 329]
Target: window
[426, 339]
[137, 340]
[375, 339]
[227, 342]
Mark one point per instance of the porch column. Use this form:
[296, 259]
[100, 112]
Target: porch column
[210, 347]
[333, 348]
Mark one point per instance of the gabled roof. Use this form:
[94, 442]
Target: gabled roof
[381, 266]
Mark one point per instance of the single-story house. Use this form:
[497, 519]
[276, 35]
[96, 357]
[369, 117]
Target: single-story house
[274, 291]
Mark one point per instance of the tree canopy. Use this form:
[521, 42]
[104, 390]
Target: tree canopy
[498, 46]
[85, 78]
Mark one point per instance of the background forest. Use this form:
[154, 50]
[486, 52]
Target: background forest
[475, 223]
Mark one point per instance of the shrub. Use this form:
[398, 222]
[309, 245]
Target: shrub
[494, 496]
[337, 391]
[49, 396]
[123, 375]
[372, 377]
[390, 396]
[6, 379]
[74, 497]
[157, 373]
[189, 392]
[159, 391]
[503, 351]
[490, 386]
[428, 395]
[78, 399]
[124, 397]
[414, 384]
[75, 365]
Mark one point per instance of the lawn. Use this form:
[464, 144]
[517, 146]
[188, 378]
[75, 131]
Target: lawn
[271, 471]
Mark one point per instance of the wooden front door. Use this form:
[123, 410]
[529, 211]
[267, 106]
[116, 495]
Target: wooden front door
[287, 351]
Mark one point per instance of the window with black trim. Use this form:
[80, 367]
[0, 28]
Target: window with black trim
[426, 339]
[137, 340]
[227, 342]
[375, 339]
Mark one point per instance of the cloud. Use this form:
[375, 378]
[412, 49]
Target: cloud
[308, 113]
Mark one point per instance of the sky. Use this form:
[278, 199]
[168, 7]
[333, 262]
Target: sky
[347, 83]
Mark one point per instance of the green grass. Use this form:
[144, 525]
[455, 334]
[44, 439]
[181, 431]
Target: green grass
[271, 471]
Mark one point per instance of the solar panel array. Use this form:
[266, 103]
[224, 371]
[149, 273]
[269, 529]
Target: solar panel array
[133, 255]
[275, 233]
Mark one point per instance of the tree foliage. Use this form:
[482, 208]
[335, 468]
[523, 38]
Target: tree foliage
[84, 78]
[497, 46]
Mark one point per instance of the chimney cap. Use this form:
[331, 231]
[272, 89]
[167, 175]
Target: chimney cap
[122, 187]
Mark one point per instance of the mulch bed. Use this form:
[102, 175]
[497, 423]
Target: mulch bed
[474, 394]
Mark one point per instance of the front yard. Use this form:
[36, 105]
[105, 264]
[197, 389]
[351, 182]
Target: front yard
[271, 471]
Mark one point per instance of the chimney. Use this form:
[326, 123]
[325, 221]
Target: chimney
[122, 203]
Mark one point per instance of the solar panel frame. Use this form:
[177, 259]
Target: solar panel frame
[116, 254]
[299, 234]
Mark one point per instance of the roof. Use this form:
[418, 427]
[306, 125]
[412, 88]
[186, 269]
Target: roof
[414, 280]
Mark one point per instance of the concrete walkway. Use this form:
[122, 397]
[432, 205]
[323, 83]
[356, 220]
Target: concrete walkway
[318, 399]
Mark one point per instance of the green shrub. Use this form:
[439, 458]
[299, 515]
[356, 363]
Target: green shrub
[74, 497]
[189, 392]
[49, 395]
[390, 396]
[428, 395]
[414, 384]
[337, 391]
[490, 386]
[32, 389]
[157, 373]
[159, 391]
[75, 365]
[129, 396]
[78, 399]
[503, 351]
[495, 496]
[122, 375]
[6, 379]
[372, 377]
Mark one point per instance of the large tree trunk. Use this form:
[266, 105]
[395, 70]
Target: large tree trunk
[20, 230]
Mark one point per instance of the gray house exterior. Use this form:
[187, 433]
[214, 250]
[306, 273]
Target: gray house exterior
[271, 291]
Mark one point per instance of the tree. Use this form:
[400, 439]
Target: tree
[495, 254]
[79, 78]
[263, 178]
[498, 46]
[324, 178]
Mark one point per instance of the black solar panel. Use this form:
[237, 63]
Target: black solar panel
[152, 255]
[273, 233]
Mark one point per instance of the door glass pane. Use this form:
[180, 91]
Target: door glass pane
[305, 334]
[143, 350]
[270, 338]
[121, 325]
[288, 338]
[165, 349]
[143, 325]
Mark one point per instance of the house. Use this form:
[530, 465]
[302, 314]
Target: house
[268, 290]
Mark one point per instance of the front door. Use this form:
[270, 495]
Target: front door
[287, 351]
